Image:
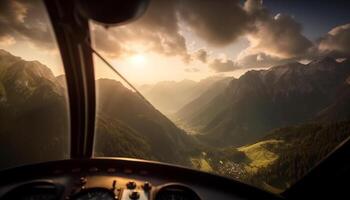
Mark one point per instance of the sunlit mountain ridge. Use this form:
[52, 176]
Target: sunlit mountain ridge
[261, 100]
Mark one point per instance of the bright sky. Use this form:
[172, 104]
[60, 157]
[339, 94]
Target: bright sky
[178, 40]
[27, 51]
[150, 68]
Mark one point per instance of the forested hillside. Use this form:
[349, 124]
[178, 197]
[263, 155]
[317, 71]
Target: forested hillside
[302, 147]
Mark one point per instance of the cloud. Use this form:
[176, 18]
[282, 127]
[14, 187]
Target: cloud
[156, 31]
[273, 40]
[280, 36]
[259, 60]
[25, 21]
[219, 23]
[277, 36]
[7, 40]
[223, 65]
[107, 43]
[253, 6]
[191, 70]
[201, 55]
[160, 23]
[337, 41]
[159, 31]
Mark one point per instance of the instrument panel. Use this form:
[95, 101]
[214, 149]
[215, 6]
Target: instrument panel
[121, 179]
[38, 190]
[95, 193]
[41, 190]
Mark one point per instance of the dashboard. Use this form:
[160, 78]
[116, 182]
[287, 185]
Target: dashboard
[119, 179]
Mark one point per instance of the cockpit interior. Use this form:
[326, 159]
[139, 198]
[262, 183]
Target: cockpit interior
[111, 100]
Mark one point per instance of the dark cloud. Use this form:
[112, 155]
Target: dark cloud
[219, 23]
[156, 31]
[107, 43]
[25, 21]
[223, 65]
[161, 22]
[337, 41]
[277, 36]
[280, 36]
[201, 55]
[273, 40]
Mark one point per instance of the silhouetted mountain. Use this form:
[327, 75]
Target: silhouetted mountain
[170, 96]
[262, 100]
[33, 112]
[34, 119]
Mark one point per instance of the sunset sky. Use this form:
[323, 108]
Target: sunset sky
[178, 39]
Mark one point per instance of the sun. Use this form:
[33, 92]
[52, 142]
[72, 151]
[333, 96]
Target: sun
[138, 59]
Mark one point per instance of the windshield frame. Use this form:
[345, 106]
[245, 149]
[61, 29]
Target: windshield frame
[74, 43]
[72, 31]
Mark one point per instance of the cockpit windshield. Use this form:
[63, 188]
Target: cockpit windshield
[251, 90]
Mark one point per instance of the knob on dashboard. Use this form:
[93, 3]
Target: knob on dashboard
[147, 186]
[82, 180]
[114, 184]
[134, 195]
[131, 185]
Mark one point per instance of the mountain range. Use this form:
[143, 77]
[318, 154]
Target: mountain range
[266, 99]
[34, 119]
[267, 128]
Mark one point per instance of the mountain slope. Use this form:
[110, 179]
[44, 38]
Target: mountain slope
[118, 139]
[35, 125]
[299, 150]
[339, 109]
[33, 113]
[166, 141]
[262, 100]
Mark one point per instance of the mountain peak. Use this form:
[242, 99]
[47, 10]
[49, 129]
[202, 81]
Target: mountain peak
[323, 60]
[7, 58]
[113, 82]
[288, 65]
[3, 52]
